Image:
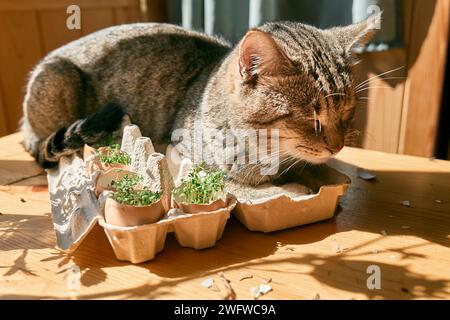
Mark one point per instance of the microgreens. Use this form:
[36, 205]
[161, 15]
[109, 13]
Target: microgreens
[128, 192]
[201, 186]
[114, 155]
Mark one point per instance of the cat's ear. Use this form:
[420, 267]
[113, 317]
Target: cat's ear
[259, 55]
[356, 36]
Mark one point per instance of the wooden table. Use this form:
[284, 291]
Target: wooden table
[410, 245]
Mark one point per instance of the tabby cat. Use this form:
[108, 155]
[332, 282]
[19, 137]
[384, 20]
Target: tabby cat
[283, 75]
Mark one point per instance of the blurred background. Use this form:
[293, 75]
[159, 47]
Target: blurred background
[405, 111]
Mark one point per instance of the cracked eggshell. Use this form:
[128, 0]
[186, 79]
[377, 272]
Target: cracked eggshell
[93, 164]
[123, 215]
[185, 167]
[88, 152]
[197, 208]
[105, 179]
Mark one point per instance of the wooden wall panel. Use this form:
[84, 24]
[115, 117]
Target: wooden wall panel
[96, 19]
[26, 5]
[156, 11]
[54, 30]
[427, 55]
[3, 124]
[401, 116]
[407, 21]
[127, 15]
[379, 109]
[21, 50]
[29, 29]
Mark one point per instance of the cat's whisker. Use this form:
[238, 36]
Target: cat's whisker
[368, 136]
[303, 168]
[367, 85]
[356, 133]
[291, 166]
[289, 158]
[379, 79]
[361, 104]
[378, 76]
[353, 134]
[335, 94]
[284, 171]
[259, 166]
[252, 168]
[376, 81]
[319, 92]
[289, 138]
[368, 88]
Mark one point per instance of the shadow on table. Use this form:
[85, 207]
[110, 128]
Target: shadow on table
[24, 232]
[369, 206]
[374, 206]
[336, 271]
[346, 271]
[193, 262]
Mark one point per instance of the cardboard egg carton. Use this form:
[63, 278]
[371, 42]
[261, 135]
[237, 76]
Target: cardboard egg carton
[139, 243]
[76, 208]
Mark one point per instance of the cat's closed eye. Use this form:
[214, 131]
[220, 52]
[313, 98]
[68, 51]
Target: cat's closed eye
[317, 127]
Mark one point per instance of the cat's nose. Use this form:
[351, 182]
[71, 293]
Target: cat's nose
[334, 143]
[336, 149]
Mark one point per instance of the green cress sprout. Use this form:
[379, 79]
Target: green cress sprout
[202, 186]
[128, 192]
[114, 155]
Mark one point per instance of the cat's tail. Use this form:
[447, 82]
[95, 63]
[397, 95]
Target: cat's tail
[90, 130]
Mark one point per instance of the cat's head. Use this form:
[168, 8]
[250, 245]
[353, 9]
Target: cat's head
[299, 79]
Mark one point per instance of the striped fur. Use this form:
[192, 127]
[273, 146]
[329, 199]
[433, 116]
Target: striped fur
[282, 75]
[90, 130]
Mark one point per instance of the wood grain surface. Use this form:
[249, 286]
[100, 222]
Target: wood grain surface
[411, 245]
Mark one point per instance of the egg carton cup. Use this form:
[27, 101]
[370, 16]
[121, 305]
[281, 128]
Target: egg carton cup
[76, 208]
[284, 211]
